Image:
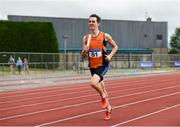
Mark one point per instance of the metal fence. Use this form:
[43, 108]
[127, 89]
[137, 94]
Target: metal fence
[73, 61]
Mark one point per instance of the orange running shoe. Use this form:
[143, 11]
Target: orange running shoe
[107, 115]
[103, 102]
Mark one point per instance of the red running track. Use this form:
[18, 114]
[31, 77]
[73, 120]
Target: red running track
[143, 101]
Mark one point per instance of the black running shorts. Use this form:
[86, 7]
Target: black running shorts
[100, 71]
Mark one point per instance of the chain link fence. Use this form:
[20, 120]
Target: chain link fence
[46, 62]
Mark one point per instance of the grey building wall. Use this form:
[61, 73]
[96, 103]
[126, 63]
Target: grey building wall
[127, 34]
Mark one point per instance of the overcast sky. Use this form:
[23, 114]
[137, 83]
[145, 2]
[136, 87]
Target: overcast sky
[158, 10]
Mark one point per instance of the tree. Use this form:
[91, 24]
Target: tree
[175, 42]
[28, 37]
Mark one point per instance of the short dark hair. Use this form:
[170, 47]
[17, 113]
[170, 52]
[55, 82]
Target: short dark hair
[97, 17]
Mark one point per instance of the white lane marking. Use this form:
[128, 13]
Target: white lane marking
[71, 87]
[90, 113]
[72, 98]
[74, 105]
[149, 114]
[40, 97]
[48, 88]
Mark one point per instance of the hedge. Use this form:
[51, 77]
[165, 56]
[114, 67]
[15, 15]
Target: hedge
[27, 37]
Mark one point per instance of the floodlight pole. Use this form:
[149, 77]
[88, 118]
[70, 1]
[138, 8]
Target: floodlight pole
[65, 41]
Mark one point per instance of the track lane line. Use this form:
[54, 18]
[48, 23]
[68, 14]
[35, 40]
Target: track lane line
[85, 96]
[72, 86]
[69, 93]
[143, 116]
[55, 87]
[80, 104]
[120, 106]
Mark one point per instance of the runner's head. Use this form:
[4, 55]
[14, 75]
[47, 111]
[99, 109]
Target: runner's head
[94, 22]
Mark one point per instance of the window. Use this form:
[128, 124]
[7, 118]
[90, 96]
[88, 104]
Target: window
[159, 37]
[145, 35]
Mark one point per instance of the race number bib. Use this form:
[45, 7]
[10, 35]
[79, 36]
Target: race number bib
[95, 53]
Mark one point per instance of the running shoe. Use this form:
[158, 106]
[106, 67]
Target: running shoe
[103, 102]
[108, 115]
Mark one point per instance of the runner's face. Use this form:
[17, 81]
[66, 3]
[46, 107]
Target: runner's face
[93, 24]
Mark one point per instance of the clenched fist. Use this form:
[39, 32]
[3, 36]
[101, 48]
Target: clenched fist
[85, 51]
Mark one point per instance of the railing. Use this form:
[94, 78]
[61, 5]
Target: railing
[72, 61]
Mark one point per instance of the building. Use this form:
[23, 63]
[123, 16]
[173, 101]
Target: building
[131, 36]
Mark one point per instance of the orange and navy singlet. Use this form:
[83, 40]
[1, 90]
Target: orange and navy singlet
[97, 51]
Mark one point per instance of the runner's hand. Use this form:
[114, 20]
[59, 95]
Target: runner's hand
[107, 58]
[84, 53]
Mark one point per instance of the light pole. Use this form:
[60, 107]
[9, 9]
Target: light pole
[65, 37]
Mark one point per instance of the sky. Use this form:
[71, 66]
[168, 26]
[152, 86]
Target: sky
[136, 10]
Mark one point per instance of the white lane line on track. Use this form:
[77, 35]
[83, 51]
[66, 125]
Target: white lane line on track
[80, 104]
[49, 77]
[73, 98]
[65, 88]
[62, 91]
[48, 88]
[55, 95]
[41, 97]
[146, 115]
[30, 98]
[90, 113]
[59, 90]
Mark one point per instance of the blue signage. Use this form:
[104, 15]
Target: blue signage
[146, 64]
[177, 63]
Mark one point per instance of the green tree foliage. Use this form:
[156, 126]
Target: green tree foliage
[27, 37]
[175, 42]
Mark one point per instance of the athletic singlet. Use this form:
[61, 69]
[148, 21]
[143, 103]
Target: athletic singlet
[97, 50]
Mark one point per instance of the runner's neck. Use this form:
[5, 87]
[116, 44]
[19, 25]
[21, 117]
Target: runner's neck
[95, 33]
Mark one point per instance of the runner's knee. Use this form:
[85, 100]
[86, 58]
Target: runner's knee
[93, 83]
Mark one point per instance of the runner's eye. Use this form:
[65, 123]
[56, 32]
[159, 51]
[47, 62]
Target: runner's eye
[91, 21]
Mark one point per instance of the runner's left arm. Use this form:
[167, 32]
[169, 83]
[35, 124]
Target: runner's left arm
[113, 44]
